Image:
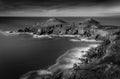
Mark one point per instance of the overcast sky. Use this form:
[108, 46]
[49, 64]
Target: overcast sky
[59, 7]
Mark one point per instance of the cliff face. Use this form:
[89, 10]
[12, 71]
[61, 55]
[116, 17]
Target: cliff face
[102, 62]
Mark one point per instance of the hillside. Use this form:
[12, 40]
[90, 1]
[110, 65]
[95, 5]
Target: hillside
[54, 22]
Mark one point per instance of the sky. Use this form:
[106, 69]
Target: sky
[59, 8]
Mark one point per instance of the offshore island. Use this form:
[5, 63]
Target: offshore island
[99, 61]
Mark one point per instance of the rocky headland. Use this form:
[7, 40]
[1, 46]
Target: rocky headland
[54, 26]
[93, 62]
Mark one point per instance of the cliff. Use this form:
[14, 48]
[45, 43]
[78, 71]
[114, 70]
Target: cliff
[102, 62]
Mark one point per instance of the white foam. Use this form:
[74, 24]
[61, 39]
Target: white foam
[84, 39]
[9, 33]
[71, 57]
[68, 35]
[38, 72]
[41, 36]
[44, 72]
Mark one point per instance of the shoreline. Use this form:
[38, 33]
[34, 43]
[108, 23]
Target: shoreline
[36, 35]
[76, 38]
[84, 40]
[79, 38]
[65, 61]
[68, 59]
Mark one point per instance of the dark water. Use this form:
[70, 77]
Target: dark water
[20, 54]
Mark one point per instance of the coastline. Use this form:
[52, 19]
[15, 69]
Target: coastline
[79, 38]
[71, 57]
[64, 62]
[36, 35]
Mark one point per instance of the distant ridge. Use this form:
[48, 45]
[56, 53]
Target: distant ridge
[90, 21]
[54, 21]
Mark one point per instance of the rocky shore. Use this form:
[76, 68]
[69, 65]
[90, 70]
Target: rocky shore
[93, 62]
[54, 26]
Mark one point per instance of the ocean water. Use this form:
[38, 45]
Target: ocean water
[22, 53]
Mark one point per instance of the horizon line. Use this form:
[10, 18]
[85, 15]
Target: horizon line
[61, 16]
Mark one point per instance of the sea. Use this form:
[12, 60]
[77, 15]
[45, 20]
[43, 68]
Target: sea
[22, 53]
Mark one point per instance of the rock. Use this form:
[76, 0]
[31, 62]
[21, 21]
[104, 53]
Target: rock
[20, 30]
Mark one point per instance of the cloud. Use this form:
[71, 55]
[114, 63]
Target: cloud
[59, 7]
[73, 11]
[22, 4]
